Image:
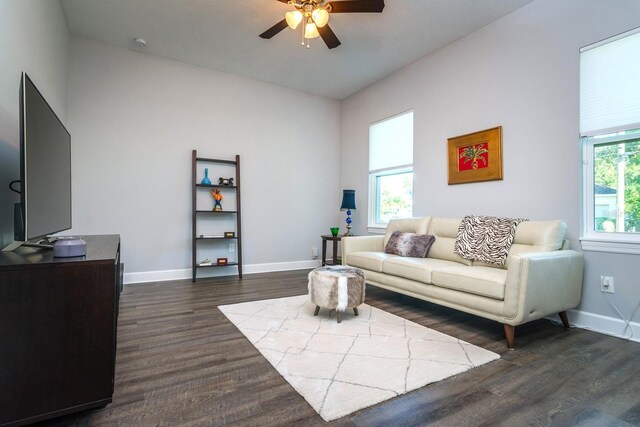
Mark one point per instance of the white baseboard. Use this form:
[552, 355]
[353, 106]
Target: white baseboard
[156, 276]
[603, 324]
[185, 273]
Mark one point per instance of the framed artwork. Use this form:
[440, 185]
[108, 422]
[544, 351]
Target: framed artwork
[476, 156]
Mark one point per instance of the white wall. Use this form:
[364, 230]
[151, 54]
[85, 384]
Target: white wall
[521, 72]
[33, 38]
[135, 118]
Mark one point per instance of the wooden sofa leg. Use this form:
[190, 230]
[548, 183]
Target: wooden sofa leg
[510, 334]
[565, 319]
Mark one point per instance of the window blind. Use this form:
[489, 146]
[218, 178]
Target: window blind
[610, 85]
[391, 142]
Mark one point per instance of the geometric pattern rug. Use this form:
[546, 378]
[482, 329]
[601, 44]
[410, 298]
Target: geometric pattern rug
[340, 368]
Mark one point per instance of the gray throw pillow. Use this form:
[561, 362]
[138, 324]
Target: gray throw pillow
[409, 244]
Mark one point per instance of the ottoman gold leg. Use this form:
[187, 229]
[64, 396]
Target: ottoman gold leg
[315, 313]
[355, 310]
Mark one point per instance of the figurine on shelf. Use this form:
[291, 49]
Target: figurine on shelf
[217, 197]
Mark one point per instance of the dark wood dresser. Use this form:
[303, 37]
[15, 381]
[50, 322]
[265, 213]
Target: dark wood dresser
[58, 323]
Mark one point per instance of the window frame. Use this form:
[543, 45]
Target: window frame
[372, 206]
[592, 239]
[620, 125]
[373, 225]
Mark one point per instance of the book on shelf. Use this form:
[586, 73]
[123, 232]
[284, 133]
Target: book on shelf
[211, 236]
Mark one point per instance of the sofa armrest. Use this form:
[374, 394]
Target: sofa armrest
[542, 283]
[353, 244]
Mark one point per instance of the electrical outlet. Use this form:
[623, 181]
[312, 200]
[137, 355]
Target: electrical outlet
[314, 253]
[232, 247]
[606, 284]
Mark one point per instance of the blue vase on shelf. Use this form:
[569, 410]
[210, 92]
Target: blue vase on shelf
[206, 180]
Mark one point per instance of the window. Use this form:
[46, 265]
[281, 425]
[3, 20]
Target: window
[390, 169]
[610, 134]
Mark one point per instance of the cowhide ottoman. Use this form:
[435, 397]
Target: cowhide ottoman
[337, 288]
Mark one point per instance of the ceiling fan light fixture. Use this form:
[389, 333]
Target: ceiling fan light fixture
[320, 17]
[314, 17]
[310, 30]
[293, 19]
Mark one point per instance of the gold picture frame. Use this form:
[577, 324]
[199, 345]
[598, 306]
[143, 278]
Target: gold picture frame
[475, 157]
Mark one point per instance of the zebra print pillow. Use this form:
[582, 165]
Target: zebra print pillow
[409, 244]
[486, 238]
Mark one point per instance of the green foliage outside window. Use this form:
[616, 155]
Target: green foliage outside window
[608, 160]
[395, 196]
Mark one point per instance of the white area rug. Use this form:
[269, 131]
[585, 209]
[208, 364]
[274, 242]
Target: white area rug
[341, 368]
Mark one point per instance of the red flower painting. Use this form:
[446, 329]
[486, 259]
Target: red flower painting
[473, 157]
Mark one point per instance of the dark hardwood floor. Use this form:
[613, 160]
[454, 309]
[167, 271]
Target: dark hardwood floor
[181, 362]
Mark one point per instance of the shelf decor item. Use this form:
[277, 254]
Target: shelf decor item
[335, 231]
[206, 180]
[226, 182]
[217, 199]
[476, 156]
[229, 234]
[222, 261]
[348, 203]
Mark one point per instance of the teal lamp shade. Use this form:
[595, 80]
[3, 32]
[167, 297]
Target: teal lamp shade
[348, 203]
[348, 200]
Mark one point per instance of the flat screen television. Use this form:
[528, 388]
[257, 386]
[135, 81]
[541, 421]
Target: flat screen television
[45, 169]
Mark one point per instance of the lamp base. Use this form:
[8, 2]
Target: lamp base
[349, 220]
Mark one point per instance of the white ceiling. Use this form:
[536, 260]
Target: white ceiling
[223, 35]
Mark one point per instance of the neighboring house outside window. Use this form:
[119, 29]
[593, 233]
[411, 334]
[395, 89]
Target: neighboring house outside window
[610, 134]
[390, 170]
[605, 199]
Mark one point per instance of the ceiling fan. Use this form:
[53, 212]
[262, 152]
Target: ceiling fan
[314, 14]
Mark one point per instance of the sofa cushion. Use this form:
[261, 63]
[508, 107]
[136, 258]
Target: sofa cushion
[515, 250]
[369, 260]
[485, 281]
[548, 234]
[535, 236]
[445, 231]
[409, 244]
[409, 225]
[418, 269]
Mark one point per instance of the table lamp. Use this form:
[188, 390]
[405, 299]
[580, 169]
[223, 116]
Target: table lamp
[348, 203]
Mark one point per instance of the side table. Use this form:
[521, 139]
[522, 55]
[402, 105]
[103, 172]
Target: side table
[334, 240]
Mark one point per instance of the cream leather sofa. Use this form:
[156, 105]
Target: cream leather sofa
[541, 276]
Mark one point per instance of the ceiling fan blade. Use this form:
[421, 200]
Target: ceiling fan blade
[329, 37]
[274, 30]
[357, 6]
